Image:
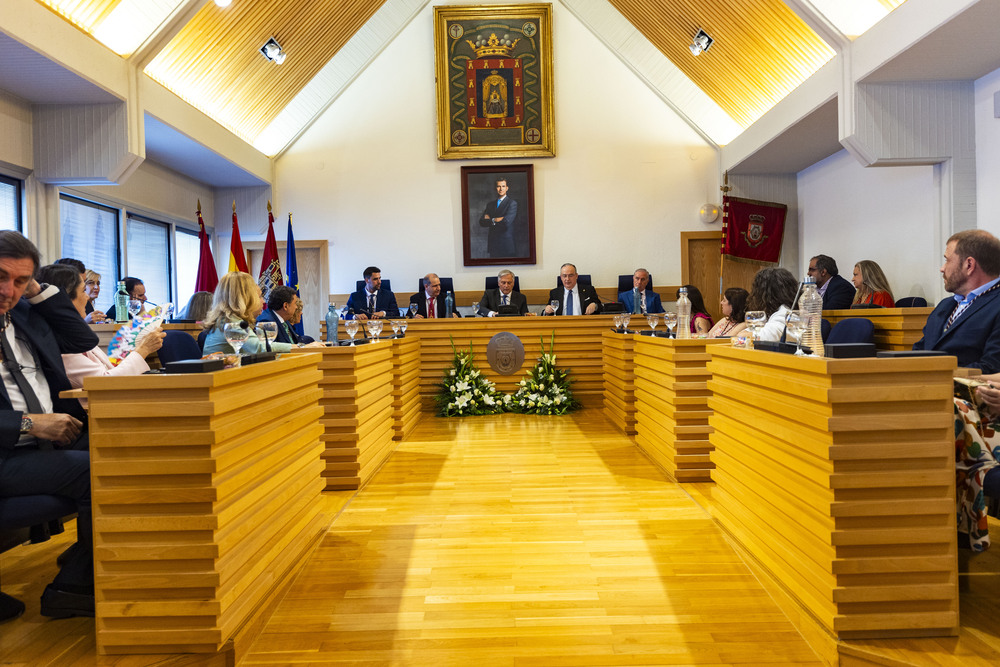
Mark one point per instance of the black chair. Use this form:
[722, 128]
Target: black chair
[852, 330]
[201, 340]
[178, 346]
[447, 285]
[824, 329]
[912, 302]
[360, 285]
[41, 514]
[625, 283]
[493, 282]
[582, 278]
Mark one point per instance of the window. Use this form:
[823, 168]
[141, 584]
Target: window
[188, 252]
[90, 234]
[10, 204]
[148, 256]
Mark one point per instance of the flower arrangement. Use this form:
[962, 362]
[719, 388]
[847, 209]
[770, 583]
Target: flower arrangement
[466, 391]
[546, 390]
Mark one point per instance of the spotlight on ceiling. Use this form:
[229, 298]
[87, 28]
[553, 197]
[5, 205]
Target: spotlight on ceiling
[273, 51]
[223, 3]
[701, 43]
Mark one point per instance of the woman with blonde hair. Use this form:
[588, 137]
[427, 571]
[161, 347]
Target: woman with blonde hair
[872, 285]
[237, 299]
[92, 288]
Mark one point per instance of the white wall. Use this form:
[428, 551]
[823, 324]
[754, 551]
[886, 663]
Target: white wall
[886, 214]
[988, 154]
[629, 175]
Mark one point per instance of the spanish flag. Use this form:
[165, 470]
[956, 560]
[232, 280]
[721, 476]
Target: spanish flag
[237, 258]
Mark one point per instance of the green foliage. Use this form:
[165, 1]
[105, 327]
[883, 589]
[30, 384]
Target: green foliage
[466, 391]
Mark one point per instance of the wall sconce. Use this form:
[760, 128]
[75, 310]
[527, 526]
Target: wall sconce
[701, 43]
[273, 51]
[708, 213]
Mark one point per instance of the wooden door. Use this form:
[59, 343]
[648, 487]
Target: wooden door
[314, 285]
[702, 264]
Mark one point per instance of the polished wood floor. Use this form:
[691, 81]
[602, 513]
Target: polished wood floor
[517, 541]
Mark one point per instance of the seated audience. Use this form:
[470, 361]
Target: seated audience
[33, 417]
[977, 471]
[734, 310]
[371, 301]
[872, 285]
[284, 308]
[197, 306]
[773, 291]
[573, 299]
[237, 300]
[649, 301]
[503, 295]
[92, 287]
[967, 325]
[430, 303]
[701, 321]
[136, 290]
[837, 293]
[95, 362]
[303, 339]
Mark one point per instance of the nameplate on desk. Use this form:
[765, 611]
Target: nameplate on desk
[195, 366]
[248, 359]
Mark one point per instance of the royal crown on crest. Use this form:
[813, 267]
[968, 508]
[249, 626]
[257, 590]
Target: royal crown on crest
[494, 46]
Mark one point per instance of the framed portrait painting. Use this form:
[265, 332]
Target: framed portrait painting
[498, 215]
[493, 66]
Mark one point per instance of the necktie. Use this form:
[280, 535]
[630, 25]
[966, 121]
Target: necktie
[503, 300]
[635, 302]
[498, 202]
[371, 304]
[289, 333]
[430, 308]
[10, 361]
[569, 302]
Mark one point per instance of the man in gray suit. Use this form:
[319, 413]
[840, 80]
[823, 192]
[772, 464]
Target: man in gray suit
[504, 295]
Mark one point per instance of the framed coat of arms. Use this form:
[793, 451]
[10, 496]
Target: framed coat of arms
[493, 66]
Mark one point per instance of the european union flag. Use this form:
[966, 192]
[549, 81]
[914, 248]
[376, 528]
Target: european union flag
[293, 270]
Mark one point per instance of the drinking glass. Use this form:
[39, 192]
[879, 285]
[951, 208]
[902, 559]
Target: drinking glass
[370, 327]
[236, 335]
[413, 309]
[652, 319]
[402, 326]
[555, 306]
[395, 327]
[626, 318]
[378, 328]
[795, 326]
[351, 327]
[268, 332]
[755, 320]
[134, 307]
[618, 321]
[670, 321]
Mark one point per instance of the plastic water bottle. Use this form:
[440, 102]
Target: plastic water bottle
[811, 303]
[332, 324]
[683, 314]
[121, 303]
[449, 304]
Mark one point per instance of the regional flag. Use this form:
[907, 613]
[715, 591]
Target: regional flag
[237, 258]
[207, 277]
[270, 269]
[292, 279]
[752, 229]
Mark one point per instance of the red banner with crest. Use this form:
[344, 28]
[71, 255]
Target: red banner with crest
[752, 229]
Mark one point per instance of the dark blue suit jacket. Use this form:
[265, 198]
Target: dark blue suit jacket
[839, 294]
[283, 337]
[51, 327]
[500, 242]
[384, 301]
[974, 337]
[653, 304]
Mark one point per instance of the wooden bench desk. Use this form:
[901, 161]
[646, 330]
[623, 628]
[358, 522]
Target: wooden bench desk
[895, 328]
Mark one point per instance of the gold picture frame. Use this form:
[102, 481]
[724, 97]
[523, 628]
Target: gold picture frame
[493, 66]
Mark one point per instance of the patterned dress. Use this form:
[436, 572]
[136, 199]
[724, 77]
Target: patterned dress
[977, 449]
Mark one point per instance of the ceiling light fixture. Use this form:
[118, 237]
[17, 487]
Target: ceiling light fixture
[273, 51]
[701, 43]
[223, 3]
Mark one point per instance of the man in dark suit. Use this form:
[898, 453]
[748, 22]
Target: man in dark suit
[284, 308]
[430, 300]
[573, 298]
[499, 216]
[967, 324]
[504, 295]
[371, 301]
[837, 293]
[43, 442]
[648, 301]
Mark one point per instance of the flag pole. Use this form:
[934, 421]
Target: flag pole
[722, 260]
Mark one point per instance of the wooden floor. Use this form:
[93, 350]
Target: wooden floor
[514, 540]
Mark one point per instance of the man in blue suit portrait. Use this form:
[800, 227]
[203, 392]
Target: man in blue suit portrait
[499, 216]
[648, 301]
[967, 324]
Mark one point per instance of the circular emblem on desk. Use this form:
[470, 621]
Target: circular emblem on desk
[505, 353]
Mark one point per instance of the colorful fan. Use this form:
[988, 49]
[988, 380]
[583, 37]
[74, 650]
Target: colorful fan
[126, 338]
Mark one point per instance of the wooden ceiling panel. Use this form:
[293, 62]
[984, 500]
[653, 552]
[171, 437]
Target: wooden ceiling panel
[215, 63]
[762, 49]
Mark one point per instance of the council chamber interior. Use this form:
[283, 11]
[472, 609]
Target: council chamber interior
[705, 504]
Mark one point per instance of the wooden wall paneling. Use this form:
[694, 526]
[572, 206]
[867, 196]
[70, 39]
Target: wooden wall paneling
[619, 380]
[205, 497]
[837, 476]
[671, 397]
[701, 264]
[312, 259]
[405, 386]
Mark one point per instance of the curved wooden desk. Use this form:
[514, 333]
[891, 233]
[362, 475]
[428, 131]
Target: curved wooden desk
[895, 328]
